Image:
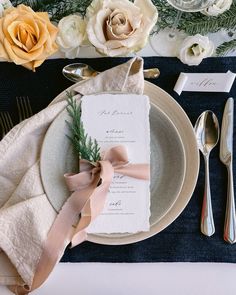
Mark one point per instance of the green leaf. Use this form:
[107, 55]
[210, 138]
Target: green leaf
[226, 47]
[84, 145]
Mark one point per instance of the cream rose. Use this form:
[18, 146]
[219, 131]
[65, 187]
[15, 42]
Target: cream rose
[4, 4]
[71, 35]
[27, 38]
[218, 7]
[194, 49]
[118, 27]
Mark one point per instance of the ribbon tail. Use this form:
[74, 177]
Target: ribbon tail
[67, 228]
[59, 237]
[96, 203]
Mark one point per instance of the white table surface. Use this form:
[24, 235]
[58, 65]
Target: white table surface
[90, 52]
[139, 278]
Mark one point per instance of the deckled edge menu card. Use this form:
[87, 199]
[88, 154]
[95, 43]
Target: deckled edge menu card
[121, 119]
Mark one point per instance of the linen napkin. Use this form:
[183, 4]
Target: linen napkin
[26, 215]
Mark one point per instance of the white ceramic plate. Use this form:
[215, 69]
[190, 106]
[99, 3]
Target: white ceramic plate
[167, 209]
[167, 163]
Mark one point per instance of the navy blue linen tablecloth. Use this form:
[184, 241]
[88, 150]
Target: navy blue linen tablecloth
[182, 240]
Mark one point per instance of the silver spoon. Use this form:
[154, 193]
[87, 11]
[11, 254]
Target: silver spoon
[207, 135]
[78, 72]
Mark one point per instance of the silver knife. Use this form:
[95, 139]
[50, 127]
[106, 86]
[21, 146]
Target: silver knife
[226, 156]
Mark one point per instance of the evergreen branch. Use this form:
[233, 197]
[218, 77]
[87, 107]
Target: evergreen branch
[57, 9]
[226, 47]
[195, 23]
[212, 24]
[84, 145]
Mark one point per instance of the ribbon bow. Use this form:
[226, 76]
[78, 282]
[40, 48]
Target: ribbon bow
[91, 185]
[89, 190]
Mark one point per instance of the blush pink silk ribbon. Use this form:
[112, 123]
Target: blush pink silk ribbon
[90, 188]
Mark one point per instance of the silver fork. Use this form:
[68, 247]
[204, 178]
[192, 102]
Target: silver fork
[5, 122]
[24, 107]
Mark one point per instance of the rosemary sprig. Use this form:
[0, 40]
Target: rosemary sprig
[86, 147]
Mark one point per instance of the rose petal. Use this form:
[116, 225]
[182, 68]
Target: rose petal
[115, 48]
[100, 21]
[124, 5]
[3, 53]
[38, 63]
[133, 12]
[72, 53]
[1, 30]
[7, 21]
[71, 31]
[43, 15]
[29, 66]
[135, 39]
[24, 10]
[113, 44]
[93, 8]
[22, 35]
[92, 36]
[149, 11]
[43, 35]
[52, 31]
[12, 54]
[30, 41]
[19, 56]
[33, 24]
[118, 26]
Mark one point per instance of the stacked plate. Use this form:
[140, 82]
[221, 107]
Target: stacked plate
[174, 164]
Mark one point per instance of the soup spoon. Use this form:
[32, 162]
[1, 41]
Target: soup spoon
[207, 135]
[78, 72]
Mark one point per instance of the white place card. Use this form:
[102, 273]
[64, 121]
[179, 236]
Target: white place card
[121, 119]
[204, 82]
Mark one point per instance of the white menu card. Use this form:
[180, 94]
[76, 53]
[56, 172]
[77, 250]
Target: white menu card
[121, 119]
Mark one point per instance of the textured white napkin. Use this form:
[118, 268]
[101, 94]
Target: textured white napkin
[25, 212]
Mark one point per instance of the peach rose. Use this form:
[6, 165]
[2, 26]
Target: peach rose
[27, 38]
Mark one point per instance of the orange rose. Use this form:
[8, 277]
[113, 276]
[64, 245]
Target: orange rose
[27, 38]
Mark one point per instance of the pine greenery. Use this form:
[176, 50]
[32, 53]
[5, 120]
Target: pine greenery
[57, 9]
[226, 20]
[226, 47]
[195, 23]
[83, 144]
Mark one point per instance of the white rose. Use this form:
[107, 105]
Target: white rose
[118, 27]
[71, 35]
[194, 49]
[4, 4]
[218, 7]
